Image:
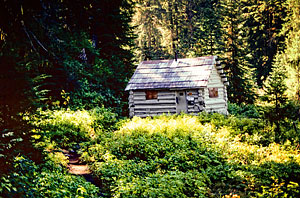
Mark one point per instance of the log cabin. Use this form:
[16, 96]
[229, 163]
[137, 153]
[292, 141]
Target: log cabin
[189, 85]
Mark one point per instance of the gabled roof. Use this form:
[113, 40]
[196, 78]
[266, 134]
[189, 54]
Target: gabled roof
[183, 73]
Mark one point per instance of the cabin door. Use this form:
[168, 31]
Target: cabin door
[181, 103]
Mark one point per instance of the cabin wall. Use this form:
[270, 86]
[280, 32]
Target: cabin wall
[197, 106]
[139, 106]
[165, 103]
[218, 104]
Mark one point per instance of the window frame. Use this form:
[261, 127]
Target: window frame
[213, 92]
[151, 94]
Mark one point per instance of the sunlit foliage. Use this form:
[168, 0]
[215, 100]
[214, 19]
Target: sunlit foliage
[203, 156]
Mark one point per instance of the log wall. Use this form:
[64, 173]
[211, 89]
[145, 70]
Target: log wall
[166, 99]
[164, 104]
[139, 106]
[218, 104]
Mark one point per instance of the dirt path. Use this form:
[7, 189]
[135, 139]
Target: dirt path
[77, 167]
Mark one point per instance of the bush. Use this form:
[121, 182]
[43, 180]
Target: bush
[30, 180]
[245, 110]
[209, 155]
[67, 128]
[251, 130]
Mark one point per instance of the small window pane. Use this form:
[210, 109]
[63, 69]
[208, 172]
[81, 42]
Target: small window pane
[151, 95]
[213, 92]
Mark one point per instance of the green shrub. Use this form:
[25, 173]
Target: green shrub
[252, 130]
[209, 155]
[67, 128]
[167, 155]
[103, 118]
[30, 180]
[245, 110]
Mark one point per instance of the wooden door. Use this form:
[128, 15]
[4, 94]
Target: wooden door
[181, 103]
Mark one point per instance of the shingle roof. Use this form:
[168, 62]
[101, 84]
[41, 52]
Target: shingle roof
[183, 73]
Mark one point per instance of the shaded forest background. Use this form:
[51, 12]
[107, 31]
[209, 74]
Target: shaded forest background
[57, 54]
[82, 54]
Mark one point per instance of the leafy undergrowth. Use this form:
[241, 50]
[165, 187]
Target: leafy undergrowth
[53, 133]
[46, 180]
[194, 156]
[209, 155]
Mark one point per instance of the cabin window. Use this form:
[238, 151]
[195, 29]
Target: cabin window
[151, 95]
[213, 92]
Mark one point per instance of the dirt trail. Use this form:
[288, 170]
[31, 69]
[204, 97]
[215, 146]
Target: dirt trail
[77, 167]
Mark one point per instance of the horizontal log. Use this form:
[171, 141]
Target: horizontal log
[166, 97]
[195, 110]
[155, 101]
[224, 79]
[139, 93]
[161, 93]
[147, 115]
[215, 85]
[221, 109]
[160, 106]
[156, 111]
[143, 115]
[220, 71]
[217, 101]
[139, 98]
[219, 106]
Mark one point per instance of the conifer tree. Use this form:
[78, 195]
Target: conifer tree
[264, 18]
[275, 88]
[242, 88]
[291, 53]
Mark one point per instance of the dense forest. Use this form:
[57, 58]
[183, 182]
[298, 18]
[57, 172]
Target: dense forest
[64, 66]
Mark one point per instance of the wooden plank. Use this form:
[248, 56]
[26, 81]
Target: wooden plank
[219, 106]
[142, 115]
[139, 98]
[216, 109]
[220, 71]
[166, 97]
[215, 85]
[157, 111]
[155, 101]
[216, 82]
[219, 67]
[161, 93]
[160, 106]
[139, 93]
[194, 111]
[224, 79]
[215, 102]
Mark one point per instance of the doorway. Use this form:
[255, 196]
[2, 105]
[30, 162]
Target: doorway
[181, 104]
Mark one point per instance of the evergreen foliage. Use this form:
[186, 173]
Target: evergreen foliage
[291, 54]
[275, 89]
[57, 54]
[242, 88]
